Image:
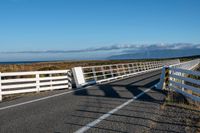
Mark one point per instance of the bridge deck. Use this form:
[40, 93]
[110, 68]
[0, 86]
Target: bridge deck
[73, 111]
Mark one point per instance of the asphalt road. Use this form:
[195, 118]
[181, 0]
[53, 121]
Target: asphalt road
[132, 110]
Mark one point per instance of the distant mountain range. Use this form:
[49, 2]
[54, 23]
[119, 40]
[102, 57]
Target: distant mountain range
[152, 54]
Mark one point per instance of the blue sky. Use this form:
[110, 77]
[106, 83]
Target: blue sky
[39, 25]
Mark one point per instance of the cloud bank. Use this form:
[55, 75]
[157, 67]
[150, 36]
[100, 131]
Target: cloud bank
[123, 47]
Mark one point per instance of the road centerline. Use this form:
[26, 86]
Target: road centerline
[101, 118]
[48, 97]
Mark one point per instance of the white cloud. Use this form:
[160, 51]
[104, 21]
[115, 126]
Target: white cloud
[135, 47]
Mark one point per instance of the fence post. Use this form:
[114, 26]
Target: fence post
[129, 68]
[147, 66]
[124, 71]
[94, 74]
[157, 65]
[164, 78]
[102, 69]
[0, 89]
[37, 82]
[133, 68]
[50, 75]
[118, 72]
[154, 64]
[182, 81]
[78, 75]
[111, 71]
[144, 66]
[138, 67]
[69, 75]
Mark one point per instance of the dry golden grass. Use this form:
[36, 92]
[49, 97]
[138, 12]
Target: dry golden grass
[69, 64]
[58, 65]
[177, 99]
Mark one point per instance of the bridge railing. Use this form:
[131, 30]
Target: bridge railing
[36, 81]
[97, 74]
[182, 79]
[189, 65]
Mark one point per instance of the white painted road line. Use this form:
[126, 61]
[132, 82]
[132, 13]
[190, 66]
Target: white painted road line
[48, 97]
[92, 124]
[40, 99]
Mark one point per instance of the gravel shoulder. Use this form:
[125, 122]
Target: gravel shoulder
[177, 117]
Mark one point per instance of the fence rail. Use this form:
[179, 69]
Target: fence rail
[36, 81]
[189, 65]
[97, 74]
[185, 82]
[182, 79]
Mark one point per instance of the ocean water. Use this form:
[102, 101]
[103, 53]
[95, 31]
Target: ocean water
[21, 62]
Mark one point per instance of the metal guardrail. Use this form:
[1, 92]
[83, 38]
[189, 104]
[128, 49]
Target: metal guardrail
[189, 65]
[182, 79]
[36, 81]
[97, 74]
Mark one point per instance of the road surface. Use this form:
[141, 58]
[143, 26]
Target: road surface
[127, 105]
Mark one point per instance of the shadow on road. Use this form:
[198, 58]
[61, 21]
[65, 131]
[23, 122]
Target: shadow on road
[118, 89]
[141, 115]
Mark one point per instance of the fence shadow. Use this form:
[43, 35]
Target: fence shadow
[105, 97]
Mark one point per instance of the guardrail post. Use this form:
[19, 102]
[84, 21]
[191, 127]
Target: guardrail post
[164, 79]
[0, 89]
[154, 65]
[94, 73]
[150, 65]
[104, 75]
[69, 75]
[145, 67]
[78, 76]
[129, 68]
[138, 67]
[50, 75]
[118, 72]
[124, 71]
[111, 71]
[37, 82]
[142, 66]
[183, 82]
[133, 68]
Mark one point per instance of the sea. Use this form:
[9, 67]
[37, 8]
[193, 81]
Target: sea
[21, 62]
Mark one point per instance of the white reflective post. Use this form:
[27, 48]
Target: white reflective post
[162, 79]
[111, 70]
[104, 75]
[78, 76]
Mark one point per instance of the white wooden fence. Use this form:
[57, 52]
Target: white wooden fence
[189, 65]
[97, 74]
[36, 81]
[178, 79]
[182, 79]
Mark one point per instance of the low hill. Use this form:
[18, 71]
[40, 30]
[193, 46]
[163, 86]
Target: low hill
[157, 54]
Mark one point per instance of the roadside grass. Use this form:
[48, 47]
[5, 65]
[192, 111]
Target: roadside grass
[187, 110]
[60, 65]
[179, 100]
